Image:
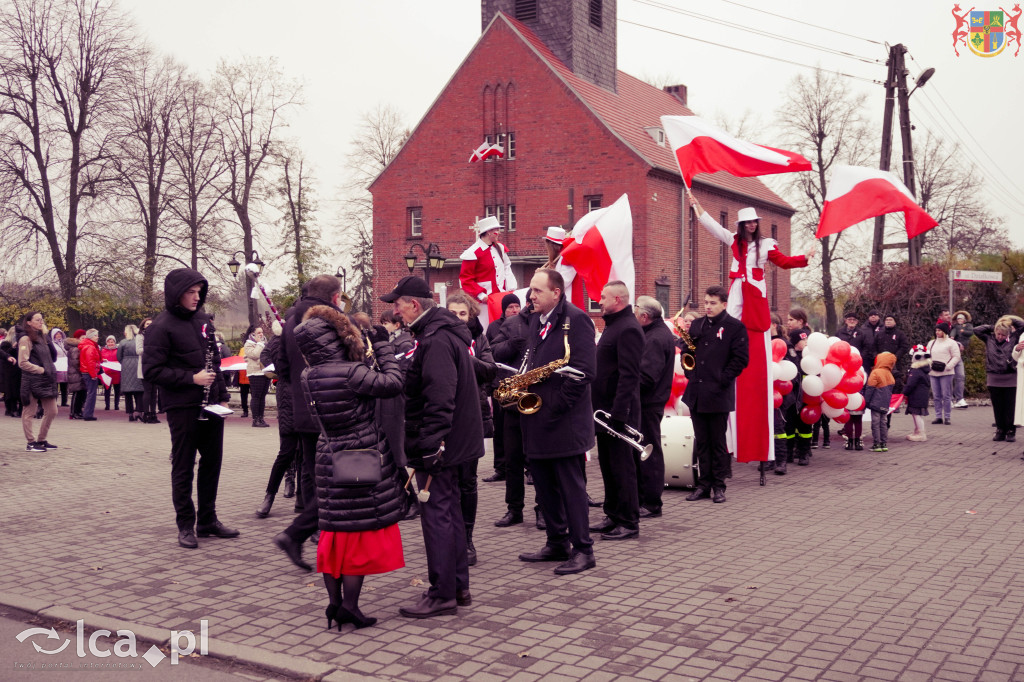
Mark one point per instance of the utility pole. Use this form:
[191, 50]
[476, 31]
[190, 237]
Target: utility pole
[878, 247]
[903, 97]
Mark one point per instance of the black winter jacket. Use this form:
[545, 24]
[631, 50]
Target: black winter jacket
[868, 335]
[509, 342]
[175, 347]
[657, 365]
[485, 370]
[290, 365]
[894, 341]
[40, 385]
[617, 382]
[271, 355]
[564, 425]
[391, 411]
[343, 394]
[918, 387]
[998, 358]
[74, 365]
[854, 337]
[442, 398]
[722, 353]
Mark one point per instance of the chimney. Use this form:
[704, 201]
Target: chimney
[677, 91]
[581, 33]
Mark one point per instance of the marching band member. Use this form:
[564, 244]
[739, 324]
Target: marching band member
[656, 369]
[486, 268]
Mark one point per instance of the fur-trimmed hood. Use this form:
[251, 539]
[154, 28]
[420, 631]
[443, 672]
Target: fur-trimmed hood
[926, 363]
[327, 335]
[967, 315]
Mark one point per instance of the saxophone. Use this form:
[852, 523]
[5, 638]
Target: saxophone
[687, 360]
[512, 391]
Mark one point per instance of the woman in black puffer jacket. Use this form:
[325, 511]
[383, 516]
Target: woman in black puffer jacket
[358, 525]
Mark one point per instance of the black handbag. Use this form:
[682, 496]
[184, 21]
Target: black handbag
[355, 468]
[938, 366]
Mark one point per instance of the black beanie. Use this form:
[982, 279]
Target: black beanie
[507, 300]
[943, 327]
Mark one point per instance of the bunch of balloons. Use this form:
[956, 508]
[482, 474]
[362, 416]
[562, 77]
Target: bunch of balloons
[833, 377]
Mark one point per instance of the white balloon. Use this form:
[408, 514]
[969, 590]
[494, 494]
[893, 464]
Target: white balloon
[829, 411]
[856, 402]
[832, 340]
[831, 375]
[811, 365]
[812, 386]
[785, 370]
[817, 343]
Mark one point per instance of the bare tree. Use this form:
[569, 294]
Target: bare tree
[377, 141]
[951, 193]
[198, 154]
[252, 97]
[145, 126]
[62, 67]
[296, 195]
[823, 120]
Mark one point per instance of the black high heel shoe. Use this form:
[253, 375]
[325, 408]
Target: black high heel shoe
[330, 612]
[357, 619]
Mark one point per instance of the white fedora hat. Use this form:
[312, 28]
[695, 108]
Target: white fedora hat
[746, 214]
[486, 225]
[555, 234]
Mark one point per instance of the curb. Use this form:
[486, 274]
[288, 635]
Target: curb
[283, 664]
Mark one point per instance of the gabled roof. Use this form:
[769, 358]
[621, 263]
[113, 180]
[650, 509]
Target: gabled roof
[637, 105]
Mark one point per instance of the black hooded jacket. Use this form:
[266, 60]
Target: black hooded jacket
[177, 343]
[442, 396]
[290, 365]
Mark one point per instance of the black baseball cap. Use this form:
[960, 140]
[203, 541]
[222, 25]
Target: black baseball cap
[409, 285]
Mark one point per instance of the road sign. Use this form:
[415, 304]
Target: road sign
[975, 276]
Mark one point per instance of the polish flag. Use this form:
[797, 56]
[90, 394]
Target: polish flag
[701, 147]
[601, 248]
[494, 310]
[856, 193]
[233, 364]
[486, 151]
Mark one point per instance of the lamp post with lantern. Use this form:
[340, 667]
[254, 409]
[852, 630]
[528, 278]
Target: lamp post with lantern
[233, 266]
[432, 259]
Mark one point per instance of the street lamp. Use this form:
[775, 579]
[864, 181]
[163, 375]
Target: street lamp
[342, 274]
[432, 259]
[233, 264]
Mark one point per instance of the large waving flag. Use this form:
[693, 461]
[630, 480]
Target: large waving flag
[856, 193]
[601, 248]
[486, 151]
[701, 147]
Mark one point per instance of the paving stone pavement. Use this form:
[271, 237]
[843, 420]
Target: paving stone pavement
[863, 566]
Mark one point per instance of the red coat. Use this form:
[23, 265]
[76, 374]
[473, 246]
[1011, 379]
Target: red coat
[89, 360]
[110, 355]
[481, 275]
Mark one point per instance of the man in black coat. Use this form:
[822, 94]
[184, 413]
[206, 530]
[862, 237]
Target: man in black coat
[656, 369]
[722, 353]
[321, 290]
[616, 391]
[178, 344]
[891, 339]
[510, 307]
[868, 333]
[557, 436]
[851, 333]
[443, 430]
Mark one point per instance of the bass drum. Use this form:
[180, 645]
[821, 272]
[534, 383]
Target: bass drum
[677, 444]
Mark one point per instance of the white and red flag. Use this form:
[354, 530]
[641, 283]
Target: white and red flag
[701, 147]
[856, 193]
[235, 363]
[601, 248]
[486, 151]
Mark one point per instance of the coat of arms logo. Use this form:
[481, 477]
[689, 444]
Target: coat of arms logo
[986, 32]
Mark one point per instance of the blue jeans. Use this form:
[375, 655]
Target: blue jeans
[942, 391]
[90, 395]
[958, 382]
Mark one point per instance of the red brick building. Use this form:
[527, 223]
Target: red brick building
[542, 82]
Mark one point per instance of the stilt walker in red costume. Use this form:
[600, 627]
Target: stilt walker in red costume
[486, 268]
[554, 240]
[751, 426]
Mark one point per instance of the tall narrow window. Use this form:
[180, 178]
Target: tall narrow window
[526, 10]
[510, 146]
[723, 220]
[775, 274]
[595, 13]
[496, 211]
[416, 221]
[511, 218]
[593, 202]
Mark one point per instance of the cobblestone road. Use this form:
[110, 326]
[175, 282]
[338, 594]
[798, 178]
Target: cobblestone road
[902, 565]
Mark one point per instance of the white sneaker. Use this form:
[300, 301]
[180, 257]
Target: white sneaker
[962, 404]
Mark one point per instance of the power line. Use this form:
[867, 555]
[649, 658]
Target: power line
[781, 16]
[757, 31]
[750, 52]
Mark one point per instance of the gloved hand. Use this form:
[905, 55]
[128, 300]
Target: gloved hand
[377, 334]
[617, 425]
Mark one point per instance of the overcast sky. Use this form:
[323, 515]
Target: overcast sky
[353, 55]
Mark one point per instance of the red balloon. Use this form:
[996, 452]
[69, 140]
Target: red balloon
[777, 398]
[783, 387]
[679, 382]
[843, 418]
[850, 384]
[835, 398]
[853, 363]
[810, 414]
[812, 399]
[838, 353]
[778, 349]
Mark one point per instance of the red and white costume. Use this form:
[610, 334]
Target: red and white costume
[752, 440]
[486, 269]
[573, 286]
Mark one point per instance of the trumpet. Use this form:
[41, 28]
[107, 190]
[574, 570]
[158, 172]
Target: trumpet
[687, 360]
[632, 436]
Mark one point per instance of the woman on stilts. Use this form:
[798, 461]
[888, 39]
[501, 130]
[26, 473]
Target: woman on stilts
[752, 442]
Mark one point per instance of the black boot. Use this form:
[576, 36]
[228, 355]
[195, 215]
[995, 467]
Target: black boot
[470, 548]
[857, 444]
[780, 466]
[264, 510]
[803, 452]
[790, 445]
[849, 443]
[289, 484]
[414, 508]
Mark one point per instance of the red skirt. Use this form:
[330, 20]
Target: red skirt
[361, 553]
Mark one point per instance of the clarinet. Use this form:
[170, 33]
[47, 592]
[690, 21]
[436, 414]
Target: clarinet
[210, 346]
